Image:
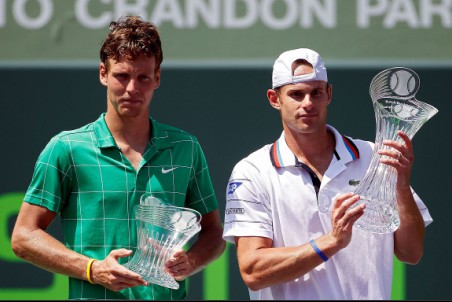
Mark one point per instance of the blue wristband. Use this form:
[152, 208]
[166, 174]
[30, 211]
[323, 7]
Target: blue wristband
[318, 251]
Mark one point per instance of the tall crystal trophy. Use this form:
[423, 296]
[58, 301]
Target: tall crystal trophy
[162, 229]
[393, 96]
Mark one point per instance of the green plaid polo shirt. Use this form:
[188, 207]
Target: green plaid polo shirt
[83, 176]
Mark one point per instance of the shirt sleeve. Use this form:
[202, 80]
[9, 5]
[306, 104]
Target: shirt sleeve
[247, 211]
[423, 209]
[50, 184]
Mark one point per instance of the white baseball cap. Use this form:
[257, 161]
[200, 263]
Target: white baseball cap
[282, 69]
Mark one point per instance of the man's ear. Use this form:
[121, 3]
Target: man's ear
[157, 79]
[273, 99]
[330, 93]
[103, 74]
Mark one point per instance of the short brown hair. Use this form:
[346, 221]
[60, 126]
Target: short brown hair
[129, 38]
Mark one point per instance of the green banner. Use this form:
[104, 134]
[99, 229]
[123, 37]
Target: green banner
[233, 30]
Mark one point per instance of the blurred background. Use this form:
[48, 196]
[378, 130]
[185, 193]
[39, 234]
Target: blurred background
[218, 57]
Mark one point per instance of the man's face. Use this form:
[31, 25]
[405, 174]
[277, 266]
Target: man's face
[130, 85]
[303, 106]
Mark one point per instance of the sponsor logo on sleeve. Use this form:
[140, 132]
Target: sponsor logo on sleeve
[235, 211]
[233, 186]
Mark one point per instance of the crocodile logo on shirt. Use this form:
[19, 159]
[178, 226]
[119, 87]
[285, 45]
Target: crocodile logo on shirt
[353, 182]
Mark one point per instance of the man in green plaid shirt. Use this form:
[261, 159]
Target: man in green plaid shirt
[94, 176]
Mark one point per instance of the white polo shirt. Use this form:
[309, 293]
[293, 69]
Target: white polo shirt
[270, 195]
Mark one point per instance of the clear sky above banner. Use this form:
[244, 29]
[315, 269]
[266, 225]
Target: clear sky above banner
[245, 31]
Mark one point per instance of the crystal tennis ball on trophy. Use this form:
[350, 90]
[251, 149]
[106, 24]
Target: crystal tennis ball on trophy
[393, 96]
[162, 229]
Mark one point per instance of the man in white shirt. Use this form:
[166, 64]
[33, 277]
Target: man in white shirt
[286, 248]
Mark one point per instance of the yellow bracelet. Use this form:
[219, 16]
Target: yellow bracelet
[88, 270]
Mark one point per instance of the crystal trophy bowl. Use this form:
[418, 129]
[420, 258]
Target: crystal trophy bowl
[162, 229]
[393, 96]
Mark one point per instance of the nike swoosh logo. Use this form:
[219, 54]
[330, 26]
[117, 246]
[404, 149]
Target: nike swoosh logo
[164, 171]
